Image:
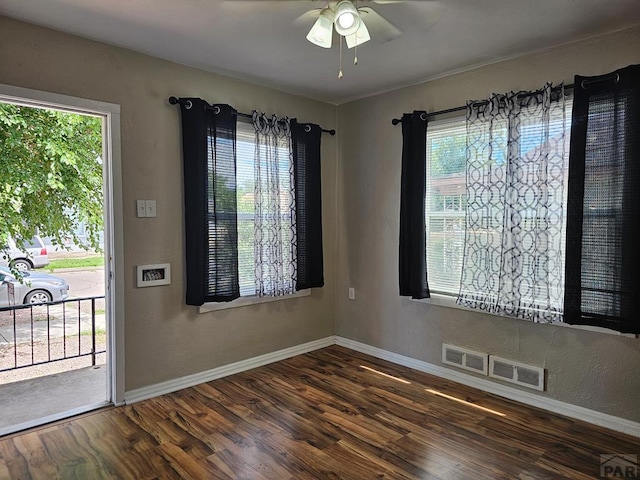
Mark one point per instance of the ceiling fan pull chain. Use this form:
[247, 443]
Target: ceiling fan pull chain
[340, 75]
[355, 55]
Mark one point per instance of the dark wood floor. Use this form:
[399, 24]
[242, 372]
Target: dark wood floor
[330, 414]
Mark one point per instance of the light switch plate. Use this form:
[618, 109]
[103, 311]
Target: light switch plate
[151, 208]
[141, 208]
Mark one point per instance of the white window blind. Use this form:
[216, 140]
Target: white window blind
[245, 152]
[445, 204]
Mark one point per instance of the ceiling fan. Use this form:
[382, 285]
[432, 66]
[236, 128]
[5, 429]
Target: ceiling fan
[347, 20]
[352, 22]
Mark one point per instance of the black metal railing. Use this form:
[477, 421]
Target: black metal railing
[37, 334]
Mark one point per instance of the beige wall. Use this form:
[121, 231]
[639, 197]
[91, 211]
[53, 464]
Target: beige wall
[164, 338]
[594, 370]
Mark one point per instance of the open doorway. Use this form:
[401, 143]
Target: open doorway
[57, 297]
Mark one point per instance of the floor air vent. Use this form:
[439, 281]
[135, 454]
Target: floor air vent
[464, 358]
[518, 373]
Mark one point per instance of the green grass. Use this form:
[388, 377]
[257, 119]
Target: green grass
[94, 261]
[99, 332]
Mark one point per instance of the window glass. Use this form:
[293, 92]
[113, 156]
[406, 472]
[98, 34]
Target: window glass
[33, 243]
[445, 204]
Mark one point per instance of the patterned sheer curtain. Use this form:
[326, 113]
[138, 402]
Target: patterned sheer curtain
[274, 221]
[513, 262]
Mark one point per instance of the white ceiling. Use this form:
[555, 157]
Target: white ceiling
[260, 40]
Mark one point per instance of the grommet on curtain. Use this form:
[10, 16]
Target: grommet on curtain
[307, 128]
[216, 109]
[423, 116]
[585, 83]
[188, 105]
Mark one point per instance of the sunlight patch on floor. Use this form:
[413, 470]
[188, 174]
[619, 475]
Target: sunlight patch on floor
[464, 402]
[397, 379]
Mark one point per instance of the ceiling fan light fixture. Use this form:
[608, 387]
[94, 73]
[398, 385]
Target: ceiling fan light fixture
[322, 31]
[361, 36]
[347, 20]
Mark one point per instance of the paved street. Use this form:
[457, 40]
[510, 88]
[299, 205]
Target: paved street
[84, 283]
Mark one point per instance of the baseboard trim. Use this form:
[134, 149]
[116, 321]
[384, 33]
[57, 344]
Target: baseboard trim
[573, 411]
[169, 386]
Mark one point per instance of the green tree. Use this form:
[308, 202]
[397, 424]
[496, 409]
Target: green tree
[50, 174]
[448, 155]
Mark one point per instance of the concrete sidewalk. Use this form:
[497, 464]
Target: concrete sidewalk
[57, 327]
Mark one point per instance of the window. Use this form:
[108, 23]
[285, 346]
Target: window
[245, 191]
[446, 196]
[534, 235]
[221, 157]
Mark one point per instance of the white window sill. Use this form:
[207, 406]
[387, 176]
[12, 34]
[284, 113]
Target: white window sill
[252, 300]
[449, 301]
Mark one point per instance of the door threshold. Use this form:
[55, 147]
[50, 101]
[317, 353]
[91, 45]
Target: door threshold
[56, 417]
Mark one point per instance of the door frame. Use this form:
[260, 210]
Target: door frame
[113, 221]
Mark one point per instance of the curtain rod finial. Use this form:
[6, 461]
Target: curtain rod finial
[395, 121]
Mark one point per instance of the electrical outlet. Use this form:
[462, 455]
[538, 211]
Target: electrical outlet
[141, 208]
[352, 293]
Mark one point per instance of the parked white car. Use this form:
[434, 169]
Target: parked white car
[34, 288]
[33, 254]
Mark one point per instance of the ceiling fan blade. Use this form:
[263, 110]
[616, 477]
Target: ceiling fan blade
[384, 29]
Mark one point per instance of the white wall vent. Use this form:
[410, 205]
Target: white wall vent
[518, 373]
[464, 358]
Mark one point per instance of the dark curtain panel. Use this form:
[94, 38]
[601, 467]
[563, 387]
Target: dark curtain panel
[209, 156]
[413, 262]
[305, 139]
[603, 213]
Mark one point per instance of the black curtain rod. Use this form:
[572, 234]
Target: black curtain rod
[585, 83]
[182, 101]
